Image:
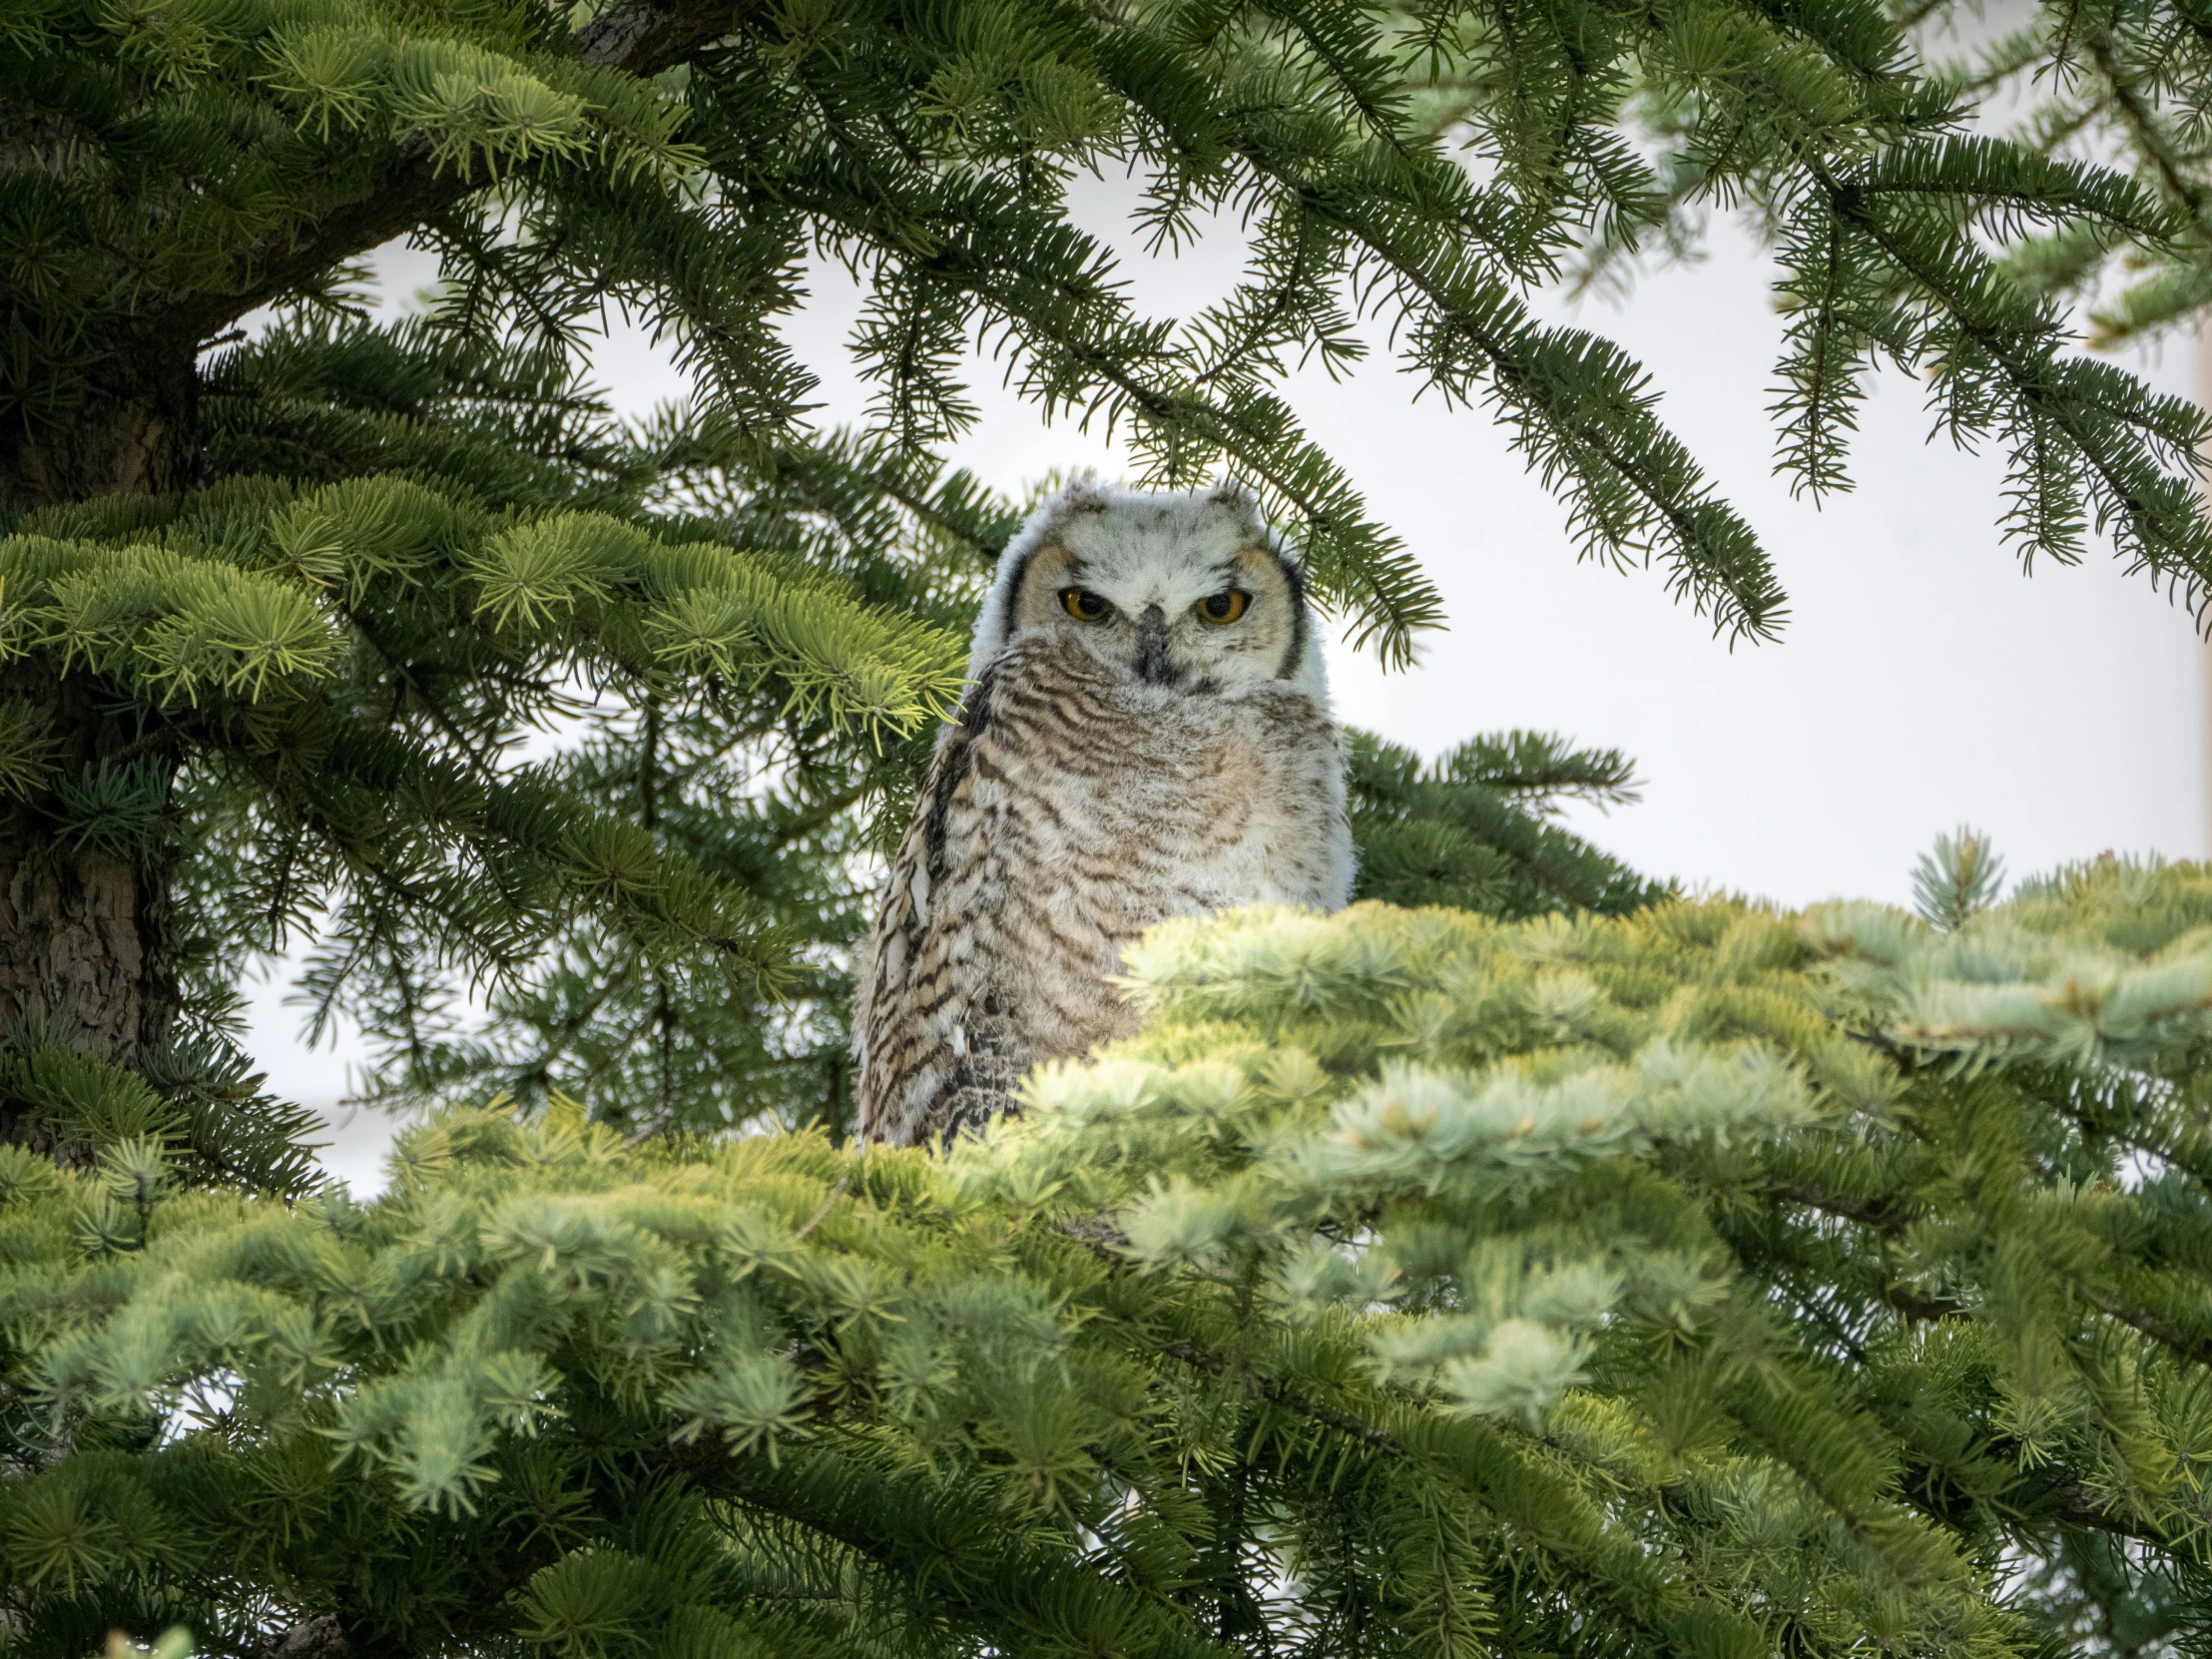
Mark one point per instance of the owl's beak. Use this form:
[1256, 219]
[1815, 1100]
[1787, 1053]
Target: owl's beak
[1153, 663]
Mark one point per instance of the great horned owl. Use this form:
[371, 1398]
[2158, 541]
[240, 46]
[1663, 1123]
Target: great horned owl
[1147, 735]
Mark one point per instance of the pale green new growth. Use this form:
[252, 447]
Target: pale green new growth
[1484, 1284]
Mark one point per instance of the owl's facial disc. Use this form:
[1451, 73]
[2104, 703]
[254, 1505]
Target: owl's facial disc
[1200, 622]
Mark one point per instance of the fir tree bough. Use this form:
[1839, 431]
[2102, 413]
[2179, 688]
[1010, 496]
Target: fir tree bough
[1708, 1281]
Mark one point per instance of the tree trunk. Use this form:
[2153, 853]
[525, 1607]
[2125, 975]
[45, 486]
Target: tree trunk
[129, 434]
[87, 940]
[87, 944]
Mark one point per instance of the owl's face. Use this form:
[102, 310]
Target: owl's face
[1177, 591]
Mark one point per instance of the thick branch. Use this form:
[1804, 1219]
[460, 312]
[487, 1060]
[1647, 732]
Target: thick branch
[643, 38]
[2075, 1504]
[652, 35]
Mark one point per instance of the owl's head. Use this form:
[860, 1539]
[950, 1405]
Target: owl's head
[1186, 591]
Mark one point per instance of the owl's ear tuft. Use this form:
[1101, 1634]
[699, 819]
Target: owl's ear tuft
[1231, 492]
[1083, 494]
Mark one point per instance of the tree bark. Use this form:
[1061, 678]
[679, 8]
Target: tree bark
[87, 930]
[129, 433]
[321, 1637]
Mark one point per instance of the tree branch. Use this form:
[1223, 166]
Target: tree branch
[649, 36]
[643, 38]
[2073, 1505]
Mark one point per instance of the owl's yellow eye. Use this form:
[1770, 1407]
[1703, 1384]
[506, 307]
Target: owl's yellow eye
[1084, 605]
[1221, 609]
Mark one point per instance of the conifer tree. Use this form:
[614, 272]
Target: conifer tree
[1565, 1268]
[1705, 1281]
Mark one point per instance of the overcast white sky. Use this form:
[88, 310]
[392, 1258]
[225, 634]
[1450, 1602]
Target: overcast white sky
[1921, 681]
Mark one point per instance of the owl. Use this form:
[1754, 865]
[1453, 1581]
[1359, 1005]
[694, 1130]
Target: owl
[1146, 735]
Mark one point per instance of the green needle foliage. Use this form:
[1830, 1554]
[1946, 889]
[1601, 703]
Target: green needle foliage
[1709, 1281]
[1563, 1268]
[737, 781]
[2122, 82]
[1474, 829]
[1956, 877]
[329, 670]
[1906, 229]
[203, 158]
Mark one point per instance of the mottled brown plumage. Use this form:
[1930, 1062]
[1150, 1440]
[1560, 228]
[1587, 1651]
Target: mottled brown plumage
[1096, 782]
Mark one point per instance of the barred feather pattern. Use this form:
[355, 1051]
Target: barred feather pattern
[1070, 808]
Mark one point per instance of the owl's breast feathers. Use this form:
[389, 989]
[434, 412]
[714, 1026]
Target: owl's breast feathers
[1071, 808]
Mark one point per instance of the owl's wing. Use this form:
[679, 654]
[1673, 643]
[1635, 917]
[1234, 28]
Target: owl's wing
[928, 1033]
[885, 1035]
